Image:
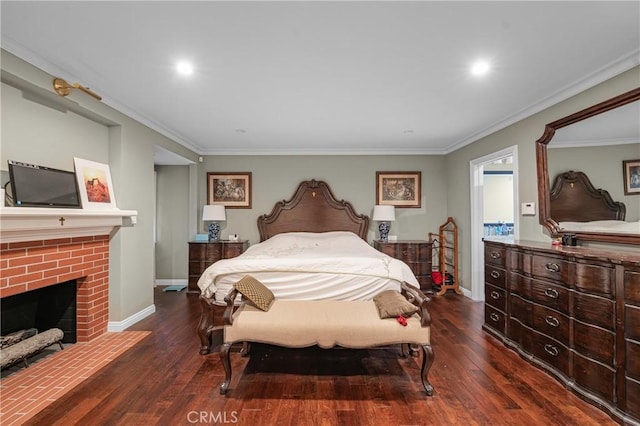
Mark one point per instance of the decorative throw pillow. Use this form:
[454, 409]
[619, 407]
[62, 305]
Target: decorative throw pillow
[256, 292]
[391, 303]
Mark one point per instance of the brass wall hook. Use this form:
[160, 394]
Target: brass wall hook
[63, 88]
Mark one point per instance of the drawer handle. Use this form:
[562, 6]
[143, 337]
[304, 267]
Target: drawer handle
[551, 350]
[552, 293]
[495, 295]
[552, 321]
[552, 267]
[495, 255]
[495, 317]
[495, 274]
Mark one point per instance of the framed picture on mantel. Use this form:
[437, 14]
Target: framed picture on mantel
[232, 190]
[94, 184]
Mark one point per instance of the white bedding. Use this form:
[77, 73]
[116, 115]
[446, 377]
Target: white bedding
[334, 265]
[615, 226]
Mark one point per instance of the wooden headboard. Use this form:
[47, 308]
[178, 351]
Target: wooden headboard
[573, 198]
[313, 208]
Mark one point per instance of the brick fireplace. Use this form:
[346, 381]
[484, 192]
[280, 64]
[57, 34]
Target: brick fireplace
[44, 247]
[32, 265]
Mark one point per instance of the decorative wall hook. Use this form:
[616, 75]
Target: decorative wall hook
[63, 88]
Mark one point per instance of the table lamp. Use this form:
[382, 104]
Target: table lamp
[384, 215]
[213, 214]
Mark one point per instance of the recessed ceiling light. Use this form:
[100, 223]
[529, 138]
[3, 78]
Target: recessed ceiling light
[480, 68]
[184, 68]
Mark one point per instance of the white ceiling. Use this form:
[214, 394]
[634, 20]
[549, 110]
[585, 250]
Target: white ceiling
[327, 77]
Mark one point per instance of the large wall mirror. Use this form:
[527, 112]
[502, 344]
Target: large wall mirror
[581, 178]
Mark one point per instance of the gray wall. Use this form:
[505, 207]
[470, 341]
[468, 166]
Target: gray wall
[39, 132]
[352, 178]
[173, 231]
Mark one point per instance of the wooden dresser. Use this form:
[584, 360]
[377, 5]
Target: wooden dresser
[574, 312]
[415, 253]
[203, 254]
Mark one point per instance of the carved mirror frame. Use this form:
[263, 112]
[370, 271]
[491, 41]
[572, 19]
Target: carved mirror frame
[543, 170]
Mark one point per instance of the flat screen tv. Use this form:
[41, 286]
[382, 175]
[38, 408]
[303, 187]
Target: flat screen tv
[38, 186]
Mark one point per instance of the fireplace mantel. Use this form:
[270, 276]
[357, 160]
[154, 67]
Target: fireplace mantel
[32, 223]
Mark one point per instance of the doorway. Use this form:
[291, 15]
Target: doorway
[478, 167]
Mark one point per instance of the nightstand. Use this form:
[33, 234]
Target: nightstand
[415, 253]
[203, 254]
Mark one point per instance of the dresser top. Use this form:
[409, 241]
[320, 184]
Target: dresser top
[614, 255]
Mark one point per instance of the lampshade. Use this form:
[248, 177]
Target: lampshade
[384, 213]
[213, 213]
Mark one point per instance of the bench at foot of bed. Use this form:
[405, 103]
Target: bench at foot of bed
[326, 323]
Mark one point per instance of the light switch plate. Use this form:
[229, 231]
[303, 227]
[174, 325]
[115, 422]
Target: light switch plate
[528, 209]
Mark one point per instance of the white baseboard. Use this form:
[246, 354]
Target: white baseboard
[466, 292]
[179, 281]
[118, 326]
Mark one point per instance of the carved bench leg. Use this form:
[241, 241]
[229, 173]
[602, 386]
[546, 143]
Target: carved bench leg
[224, 357]
[246, 348]
[427, 361]
[205, 326]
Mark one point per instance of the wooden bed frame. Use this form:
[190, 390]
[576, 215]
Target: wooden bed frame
[313, 208]
[573, 198]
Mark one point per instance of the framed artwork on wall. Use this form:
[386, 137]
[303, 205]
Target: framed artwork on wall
[94, 184]
[232, 190]
[399, 189]
[631, 176]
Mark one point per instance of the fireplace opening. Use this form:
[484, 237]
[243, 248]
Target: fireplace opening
[45, 308]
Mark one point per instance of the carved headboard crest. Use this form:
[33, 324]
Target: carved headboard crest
[313, 208]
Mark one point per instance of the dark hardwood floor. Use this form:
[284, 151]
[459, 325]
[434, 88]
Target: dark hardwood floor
[163, 380]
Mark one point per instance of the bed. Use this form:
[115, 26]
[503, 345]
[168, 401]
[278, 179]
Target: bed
[577, 206]
[312, 247]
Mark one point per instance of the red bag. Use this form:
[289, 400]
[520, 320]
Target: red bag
[436, 277]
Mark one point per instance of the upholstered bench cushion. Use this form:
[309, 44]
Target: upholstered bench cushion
[326, 323]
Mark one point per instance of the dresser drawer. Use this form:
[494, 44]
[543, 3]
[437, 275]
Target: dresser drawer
[632, 285]
[633, 397]
[495, 276]
[551, 295]
[494, 319]
[594, 376]
[594, 310]
[496, 297]
[520, 334]
[550, 267]
[232, 250]
[214, 252]
[633, 359]
[551, 323]
[521, 309]
[419, 268]
[495, 255]
[197, 267]
[632, 322]
[594, 342]
[520, 285]
[551, 352]
[592, 278]
[413, 252]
